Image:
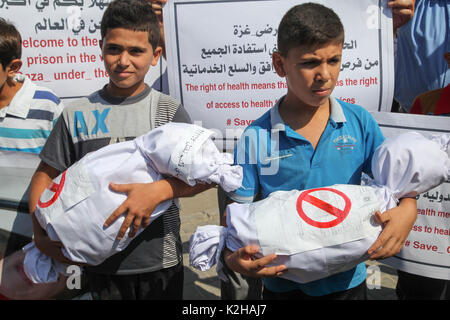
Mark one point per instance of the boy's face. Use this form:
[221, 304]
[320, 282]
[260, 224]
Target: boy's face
[127, 55]
[311, 72]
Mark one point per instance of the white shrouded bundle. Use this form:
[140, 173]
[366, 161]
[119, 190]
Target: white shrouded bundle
[75, 206]
[319, 232]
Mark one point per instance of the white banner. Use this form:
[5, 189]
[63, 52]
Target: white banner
[60, 44]
[427, 250]
[220, 65]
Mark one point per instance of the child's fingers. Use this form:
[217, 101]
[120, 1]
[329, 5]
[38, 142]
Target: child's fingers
[390, 248]
[120, 188]
[135, 227]
[125, 225]
[379, 243]
[260, 269]
[386, 245]
[116, 214]
[247, 251]
[145, 222]
[382, 218]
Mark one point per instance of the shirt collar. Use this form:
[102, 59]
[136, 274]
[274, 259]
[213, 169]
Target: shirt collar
[21, 103]
[336, 115]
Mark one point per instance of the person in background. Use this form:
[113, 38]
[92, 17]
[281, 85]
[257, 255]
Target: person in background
[421, 43]
[27, 115]
[434, 102]
[27, 112]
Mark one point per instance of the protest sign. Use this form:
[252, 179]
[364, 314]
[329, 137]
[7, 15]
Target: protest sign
[427, 249]
[61, 44]
[221, 69]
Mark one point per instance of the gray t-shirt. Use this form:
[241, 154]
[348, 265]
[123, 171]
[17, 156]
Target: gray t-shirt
[98, 120]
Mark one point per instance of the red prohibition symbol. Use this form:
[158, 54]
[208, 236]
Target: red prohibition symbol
[340, 214]
[56, 188]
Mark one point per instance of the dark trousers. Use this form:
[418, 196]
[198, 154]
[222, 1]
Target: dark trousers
[356, 293]
[164, 284]
[415, 287]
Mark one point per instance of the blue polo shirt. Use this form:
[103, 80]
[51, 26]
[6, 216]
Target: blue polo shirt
[274, 157]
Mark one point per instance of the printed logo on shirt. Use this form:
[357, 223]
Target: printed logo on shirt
[81, 127]
[345, 143]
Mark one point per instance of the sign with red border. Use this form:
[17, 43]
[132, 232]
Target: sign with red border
[340, 214]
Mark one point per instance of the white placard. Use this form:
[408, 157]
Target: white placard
[427, 249]
[60, 44]
[220, 65]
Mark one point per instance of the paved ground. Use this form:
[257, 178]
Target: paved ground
[203, 210]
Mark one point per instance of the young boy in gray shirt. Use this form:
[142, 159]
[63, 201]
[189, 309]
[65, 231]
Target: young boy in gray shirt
[151, 266]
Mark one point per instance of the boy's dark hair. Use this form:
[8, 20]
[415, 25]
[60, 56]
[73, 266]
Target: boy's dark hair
[136, 15]
[10, 43]
[309, 24]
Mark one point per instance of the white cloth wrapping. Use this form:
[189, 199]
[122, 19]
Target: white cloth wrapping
[405, 165]
[75, 206]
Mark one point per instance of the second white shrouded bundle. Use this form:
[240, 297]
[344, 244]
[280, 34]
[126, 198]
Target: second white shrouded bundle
[74, 208]
[323, 231]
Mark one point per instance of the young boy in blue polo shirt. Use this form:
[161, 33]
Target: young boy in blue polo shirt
[308, 140]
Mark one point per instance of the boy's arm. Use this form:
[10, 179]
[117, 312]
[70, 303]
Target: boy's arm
[397, 223]
[242, 261]
[143, 198]
[43, 176]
